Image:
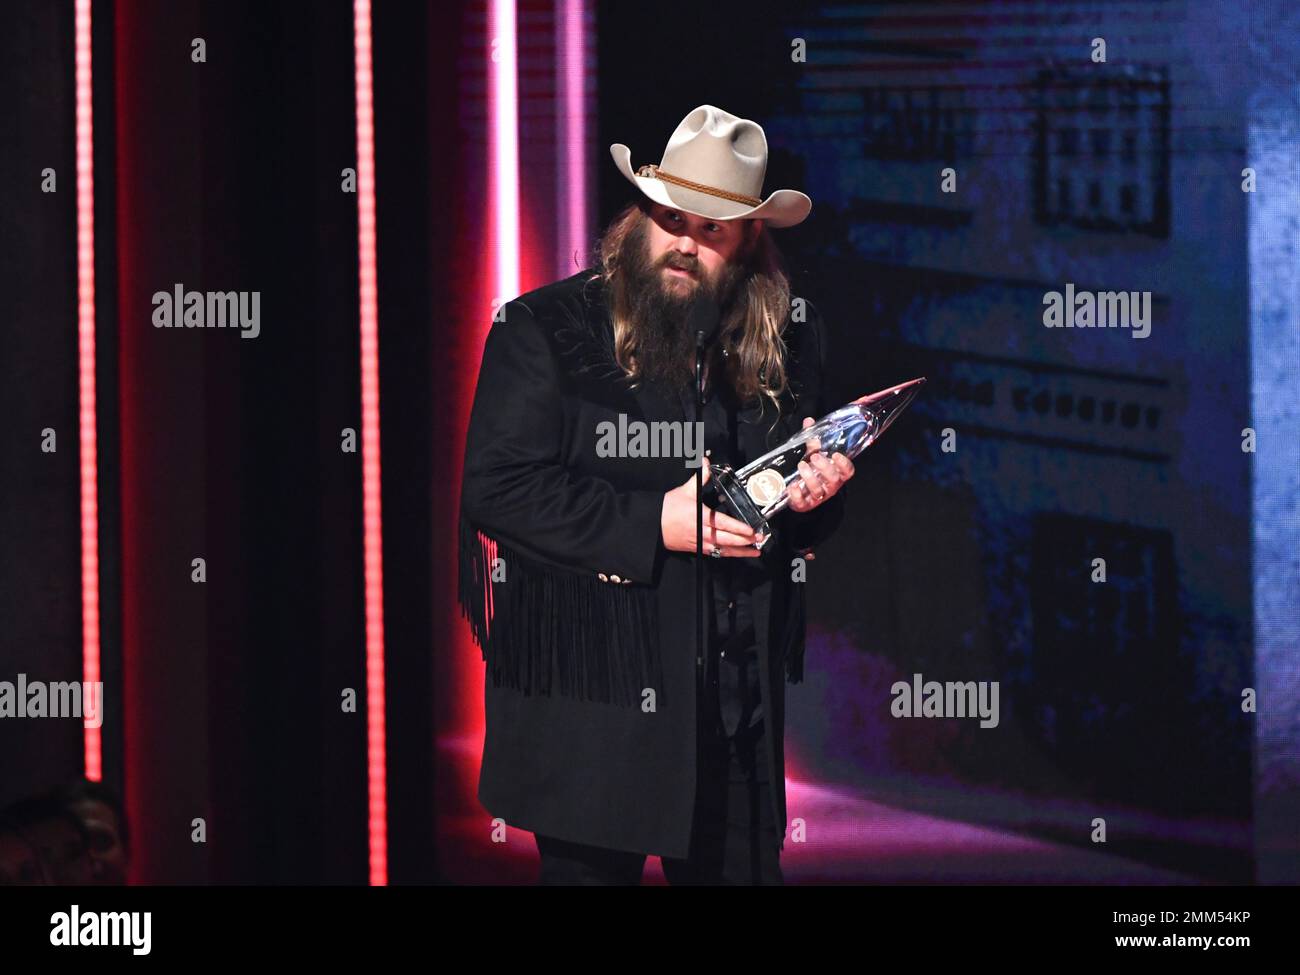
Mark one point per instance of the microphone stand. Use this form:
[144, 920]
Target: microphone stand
[700, 638]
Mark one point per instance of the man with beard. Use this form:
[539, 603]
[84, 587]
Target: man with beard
[606, 736]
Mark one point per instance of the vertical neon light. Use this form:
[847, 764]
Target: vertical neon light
[572, 185]
[94, 753]
[376, 748]
[504, 120]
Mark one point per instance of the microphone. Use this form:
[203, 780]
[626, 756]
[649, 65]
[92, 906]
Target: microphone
[702, 320]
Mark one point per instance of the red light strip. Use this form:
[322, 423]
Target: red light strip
[504, 113]
[93, 743]
[376, 746]
[572, 106]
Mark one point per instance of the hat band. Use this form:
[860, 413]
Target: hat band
[657, 173]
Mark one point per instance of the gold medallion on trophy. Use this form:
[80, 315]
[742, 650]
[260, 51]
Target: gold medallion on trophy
[765, 486]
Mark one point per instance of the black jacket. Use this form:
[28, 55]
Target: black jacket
[587, 630]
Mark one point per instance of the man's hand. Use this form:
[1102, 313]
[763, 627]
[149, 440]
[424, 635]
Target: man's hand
[731, 536]
[820, 477]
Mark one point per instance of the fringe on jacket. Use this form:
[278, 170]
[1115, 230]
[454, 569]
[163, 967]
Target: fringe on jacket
[548, 631]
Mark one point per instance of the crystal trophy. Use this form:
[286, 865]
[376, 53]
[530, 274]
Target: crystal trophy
[761, 488]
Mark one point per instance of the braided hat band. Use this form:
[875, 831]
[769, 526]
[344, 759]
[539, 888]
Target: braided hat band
[656, 173]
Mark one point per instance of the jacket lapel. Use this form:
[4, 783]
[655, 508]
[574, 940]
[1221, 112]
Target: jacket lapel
[584, 339]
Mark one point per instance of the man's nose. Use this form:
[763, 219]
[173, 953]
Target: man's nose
[685, 244]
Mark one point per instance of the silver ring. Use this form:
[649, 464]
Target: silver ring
[716, 552]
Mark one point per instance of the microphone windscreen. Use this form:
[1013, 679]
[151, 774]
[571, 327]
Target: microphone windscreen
[704, 316]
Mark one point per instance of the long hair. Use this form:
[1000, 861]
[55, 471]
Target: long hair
[752, 324]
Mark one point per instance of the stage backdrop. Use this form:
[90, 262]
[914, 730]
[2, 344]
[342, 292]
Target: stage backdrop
[1103, 524]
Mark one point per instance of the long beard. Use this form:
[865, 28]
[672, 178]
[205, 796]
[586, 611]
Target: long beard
[657, 309]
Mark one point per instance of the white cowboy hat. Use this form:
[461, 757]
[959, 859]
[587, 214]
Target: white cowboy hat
[713, 167]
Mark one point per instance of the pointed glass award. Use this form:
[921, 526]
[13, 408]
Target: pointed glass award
[761, 488]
